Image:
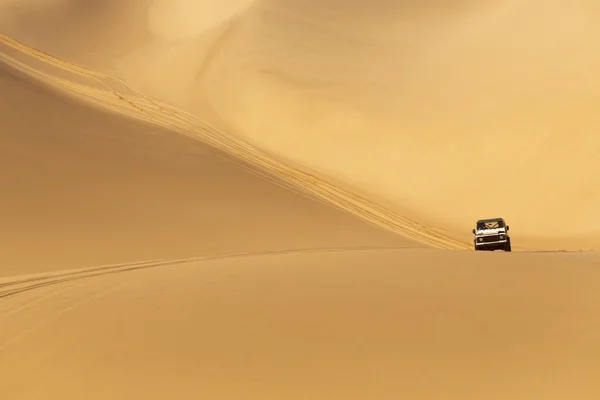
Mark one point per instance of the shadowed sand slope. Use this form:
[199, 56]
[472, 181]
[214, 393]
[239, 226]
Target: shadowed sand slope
[81, 187]
[386, 324]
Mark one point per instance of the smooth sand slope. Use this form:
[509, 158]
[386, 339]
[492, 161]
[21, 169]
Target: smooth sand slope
[385, 324]
[81, 187]
[452, 110]
[114, 94]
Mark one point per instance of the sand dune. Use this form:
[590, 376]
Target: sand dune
[82, 188]
[257, 199]
[461, 94]
[104, 94]
[325, 325]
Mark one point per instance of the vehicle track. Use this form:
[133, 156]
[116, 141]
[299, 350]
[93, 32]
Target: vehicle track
[231, 149]
[18, 285]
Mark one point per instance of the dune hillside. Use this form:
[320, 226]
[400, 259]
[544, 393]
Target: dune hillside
[381, 324]
[82, 187]
[447, 111]
[259, 199]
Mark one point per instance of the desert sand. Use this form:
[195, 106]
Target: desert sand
[258, 199]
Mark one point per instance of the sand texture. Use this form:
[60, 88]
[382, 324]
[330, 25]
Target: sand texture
[260, 199]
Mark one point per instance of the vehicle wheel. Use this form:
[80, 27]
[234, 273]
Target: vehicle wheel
[507, 248]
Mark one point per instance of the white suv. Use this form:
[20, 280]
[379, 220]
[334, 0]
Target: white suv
[491, 234]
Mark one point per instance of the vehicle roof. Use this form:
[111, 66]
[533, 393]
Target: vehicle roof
[490, 220]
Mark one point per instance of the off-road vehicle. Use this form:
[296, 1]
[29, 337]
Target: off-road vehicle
[491, 234]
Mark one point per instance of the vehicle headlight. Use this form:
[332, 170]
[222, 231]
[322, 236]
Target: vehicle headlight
[501, 237]
[480, 239]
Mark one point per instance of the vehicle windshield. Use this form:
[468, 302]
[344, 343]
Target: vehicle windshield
[490, 225]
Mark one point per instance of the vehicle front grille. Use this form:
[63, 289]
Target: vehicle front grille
[488, 239]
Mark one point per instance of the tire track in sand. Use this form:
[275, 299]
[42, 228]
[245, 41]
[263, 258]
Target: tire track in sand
[19, 285]
[233, 149]
[23, 285]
